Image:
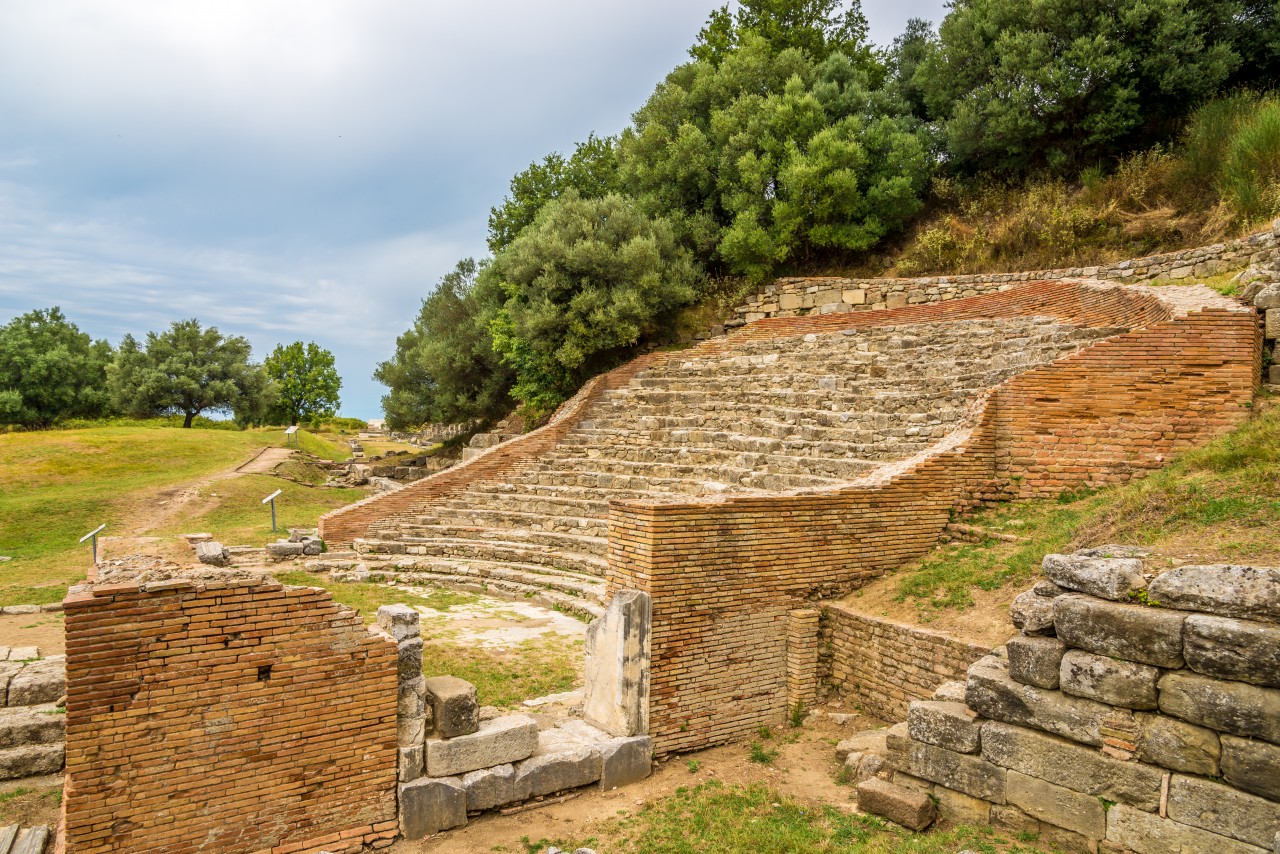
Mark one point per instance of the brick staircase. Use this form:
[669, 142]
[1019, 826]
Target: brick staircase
[737, 415]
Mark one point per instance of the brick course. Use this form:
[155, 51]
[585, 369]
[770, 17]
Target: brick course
[238, 716]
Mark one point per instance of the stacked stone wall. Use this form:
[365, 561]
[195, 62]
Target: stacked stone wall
[882, 665]
[1119, 726]
[793, 297]
[230, 716]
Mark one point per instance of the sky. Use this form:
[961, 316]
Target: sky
[298, 171]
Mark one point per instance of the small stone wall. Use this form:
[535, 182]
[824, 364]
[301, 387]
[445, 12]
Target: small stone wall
[226, 713]
[882, 665]
[793, 297]
[1139, 716]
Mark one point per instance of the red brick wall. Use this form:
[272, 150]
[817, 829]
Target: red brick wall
[177, 743]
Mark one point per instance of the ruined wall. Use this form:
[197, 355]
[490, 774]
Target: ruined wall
[724, 571]
[1137, 728]
[792, 297]
[230, 716]
[882, 665]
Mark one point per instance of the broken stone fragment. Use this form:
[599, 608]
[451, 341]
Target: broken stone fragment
[1032, 613]
[1035, 660]
[212, 553]
[907, 807]
[399, 621]
[430, 805]
[454, 707]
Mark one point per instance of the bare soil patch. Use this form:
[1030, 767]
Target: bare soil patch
[44, 630]
[31, 802]
[985, 622]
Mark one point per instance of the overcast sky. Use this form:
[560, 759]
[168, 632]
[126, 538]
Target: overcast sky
[290, 170]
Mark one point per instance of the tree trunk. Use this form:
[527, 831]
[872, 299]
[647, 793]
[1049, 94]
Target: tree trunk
[187, 421]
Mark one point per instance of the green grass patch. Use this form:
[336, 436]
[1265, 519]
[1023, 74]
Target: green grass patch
[1220, 502]
[505, 676]
[240, 517]
[714, 817]
[58, 485]
[365, 598]
[326, 446]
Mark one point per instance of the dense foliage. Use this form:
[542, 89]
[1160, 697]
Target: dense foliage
[306, 381]
[49, 369]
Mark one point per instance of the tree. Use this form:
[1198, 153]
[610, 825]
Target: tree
[817, 27]
[586, 282]
[49, 370]
[445, 370]
[185, 370]
[306, 382]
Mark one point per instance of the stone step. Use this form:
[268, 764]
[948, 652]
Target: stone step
[26, 725]
[804, 460]
[580, 584]
[498, 518]
[491, 550]
[676, 474]
[32, 840]
[564, 542]
[504, 589]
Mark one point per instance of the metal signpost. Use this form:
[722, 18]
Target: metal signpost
[94, 535]
[272, 499]
[291, 437]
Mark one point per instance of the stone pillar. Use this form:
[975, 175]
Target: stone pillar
[618, 654]
[401, 622]
[802, 658]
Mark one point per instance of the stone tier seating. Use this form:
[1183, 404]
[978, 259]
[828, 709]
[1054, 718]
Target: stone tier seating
[1112, 722]
[32, 727]
[737, 415]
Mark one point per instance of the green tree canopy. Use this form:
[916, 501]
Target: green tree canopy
[445, 370]
[817, 27]
[306, 382]
[49, 369]
[589, 279]
[185, 369]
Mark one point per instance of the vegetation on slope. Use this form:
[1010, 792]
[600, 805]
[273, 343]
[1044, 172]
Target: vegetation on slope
[1219, 503]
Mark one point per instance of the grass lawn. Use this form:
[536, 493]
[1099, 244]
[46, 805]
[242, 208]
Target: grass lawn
[58, 485]
[714, 817]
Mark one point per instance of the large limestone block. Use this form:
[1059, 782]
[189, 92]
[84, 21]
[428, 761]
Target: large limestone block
[490, 787]
[1057, 805]
[910, 808]
[959, 807]
[43, 681]
[554, 772]
[993, 694]
[1223, 810]
[871, 741]
[1248, 592]
[952, 726]
[971, 775]
[1132, 632]
[624, 761]
[1273, 323]
[618, 651]
[1032, 613]
[409, 659]
[502, 740]
[1227, 648]
[411, 764]
[1065, 763]
[1144, 833]
[455, 709]
[31, 760]
[399, 621]
[25, 725]
[1236, 708]
[430, 805]
[953, 691]
[1252, 765]
[1178, 745]
[1117, 683]
[1035, 660]
[213, 554]
[1105, 577]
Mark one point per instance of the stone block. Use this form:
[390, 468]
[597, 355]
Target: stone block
[790, 302]
[1223, 810]
[624, 761]
[1273, 323]
[907, 807]
[854, 297]
[412, 764]
[1014, 820]
[1178, 745]
[863, 766]
[429, 805]
[1252, 765]
[1035, 660]
[1236, 708]
[1228, 648]
[280, 550]
[212, 553]
[951, 726]
[497, 742]
[1105, 577]
[950, 692]
[1065, 763]
[546, 773]
[43, 681]
[32, 840]
[897, 744]
[455, 709]
[1107, 680]
[490, 787]
[1057, 805]
[1247, 592]
[31, 760]
[1144, 833]
[1031, 613]
[23, 726]
[993, 694]
[1132, 632]
[961, 808]
[871, 741]
[409, 659]
[399, 621]
[971, 775]
[616, 698]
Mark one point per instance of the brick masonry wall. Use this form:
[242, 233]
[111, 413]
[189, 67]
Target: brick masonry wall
[792, 297]
[883, 665]
[723, 572]
[234, 716]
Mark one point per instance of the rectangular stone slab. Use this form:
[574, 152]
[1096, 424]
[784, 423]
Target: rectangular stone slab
[1223, 810]
[1116, 683]
[1057, 805]
[1132, 632]
[1237, 708]
[993, 694]
[1145, 833]
[1227, 648]
[497, 742]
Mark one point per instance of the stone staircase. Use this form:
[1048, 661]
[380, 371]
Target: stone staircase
[32, 725]
[736, 415]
